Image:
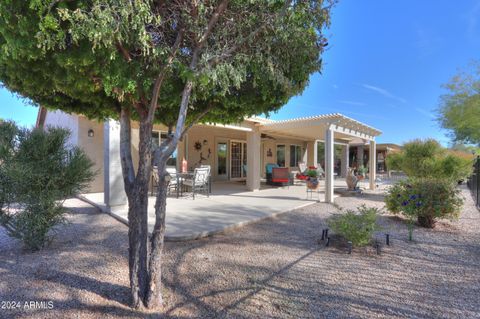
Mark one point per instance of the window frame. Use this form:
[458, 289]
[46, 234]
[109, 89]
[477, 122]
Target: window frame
[297, 154]
[284, 154]
[161, 136]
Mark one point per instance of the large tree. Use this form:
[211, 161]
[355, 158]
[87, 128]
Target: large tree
[459, 110]
[172, 62]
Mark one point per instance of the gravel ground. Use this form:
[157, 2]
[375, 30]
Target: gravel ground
[272, 269]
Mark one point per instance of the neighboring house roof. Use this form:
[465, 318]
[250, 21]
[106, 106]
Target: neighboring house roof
[379, 146]
[390, 147]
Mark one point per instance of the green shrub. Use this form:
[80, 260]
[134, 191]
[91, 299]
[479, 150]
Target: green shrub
[425, 200]
[428, 159]
[312, 173]
[37, 172]
[355, 227]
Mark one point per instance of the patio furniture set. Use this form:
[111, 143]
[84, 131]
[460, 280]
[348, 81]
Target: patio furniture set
[281, 176]
[198, 181]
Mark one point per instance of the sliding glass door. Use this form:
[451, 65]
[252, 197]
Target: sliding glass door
[222, 147]
[238, 160]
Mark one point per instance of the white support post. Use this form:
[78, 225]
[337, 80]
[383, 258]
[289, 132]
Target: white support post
[345, 160]
[253, 159]
[329, 181]
[359, 156]
[305, 152]
[114, 191]
[373, 164]
[312, 153]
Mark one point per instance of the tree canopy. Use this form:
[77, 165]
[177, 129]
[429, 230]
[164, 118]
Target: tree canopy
[174, 62]
[97, 56]
[459, 110]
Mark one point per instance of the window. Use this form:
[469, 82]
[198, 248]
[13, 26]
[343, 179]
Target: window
[281, 155]
[157, 139]
[295, 155]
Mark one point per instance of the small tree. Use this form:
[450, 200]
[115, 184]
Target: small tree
[170, 62]
[37, 172]
[459, 109]
[427, 158]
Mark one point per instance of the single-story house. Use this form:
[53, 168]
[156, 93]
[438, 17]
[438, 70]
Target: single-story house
[235, 152]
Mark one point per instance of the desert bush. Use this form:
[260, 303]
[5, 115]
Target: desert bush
[428, 159]
[8, 134]
[357, 227]
[37, 172]
[425, 200]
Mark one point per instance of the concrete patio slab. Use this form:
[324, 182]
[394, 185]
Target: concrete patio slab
[229, 206]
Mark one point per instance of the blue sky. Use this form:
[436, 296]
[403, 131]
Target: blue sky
[384, 66]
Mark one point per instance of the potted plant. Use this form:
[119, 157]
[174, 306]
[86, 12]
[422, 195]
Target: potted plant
[362, 172]
[312, 179]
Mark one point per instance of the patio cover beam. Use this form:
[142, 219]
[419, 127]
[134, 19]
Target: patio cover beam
[354, 132]
[309, 127]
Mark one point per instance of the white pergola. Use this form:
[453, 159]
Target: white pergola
[330, 128]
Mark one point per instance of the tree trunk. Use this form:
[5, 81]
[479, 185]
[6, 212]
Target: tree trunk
[144, 266]
[138, 249]
[427, 221]
[154, 294]
[136, 188]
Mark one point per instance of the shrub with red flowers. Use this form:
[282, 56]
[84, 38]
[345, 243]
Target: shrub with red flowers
[425, 200]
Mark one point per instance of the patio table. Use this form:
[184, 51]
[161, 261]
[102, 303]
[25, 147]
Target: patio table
[180, 178]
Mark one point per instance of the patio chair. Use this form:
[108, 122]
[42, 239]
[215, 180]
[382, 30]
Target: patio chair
[199, 182]
[320, 171]
[281, 176]
[302, 166]
[268, 172]
[209, 177]
[173, 181]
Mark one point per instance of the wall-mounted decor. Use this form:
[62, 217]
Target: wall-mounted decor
[198, 146]
[202, 158]
[269, 153]
[205, 142]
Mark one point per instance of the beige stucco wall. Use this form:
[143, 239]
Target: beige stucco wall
[269, 144]
[93, 146]
[208, 137]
